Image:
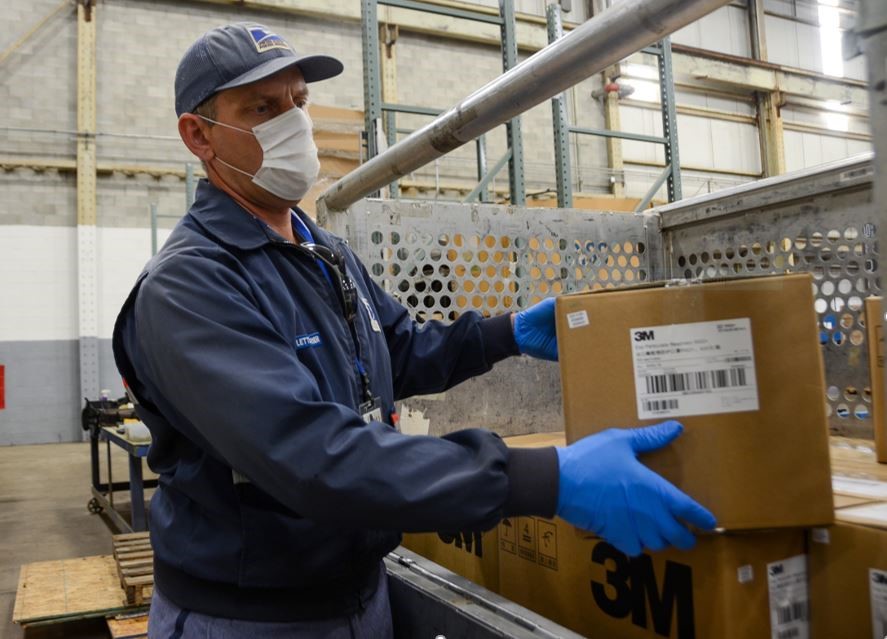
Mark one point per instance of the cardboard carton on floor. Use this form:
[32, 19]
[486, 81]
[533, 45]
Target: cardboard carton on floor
[737, 362]
[474, 556]
[740, 586]
[848, 575]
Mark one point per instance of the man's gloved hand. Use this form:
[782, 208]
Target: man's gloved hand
[534, 331]
[606, 490]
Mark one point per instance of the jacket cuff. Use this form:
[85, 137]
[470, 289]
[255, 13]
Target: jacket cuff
[498, 338]
[533, 482]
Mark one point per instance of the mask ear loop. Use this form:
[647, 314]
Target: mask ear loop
[230, 126]
[230, 166]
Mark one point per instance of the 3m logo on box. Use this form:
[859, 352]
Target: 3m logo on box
[507, 536]
[631, 589]
[471, 542]
[643, 336]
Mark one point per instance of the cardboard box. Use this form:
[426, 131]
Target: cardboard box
[741, 586]
[474, 556]
[537, 440]
[855, 470]
[845, 501]
[848, 581]
[737, 362]
[875, 337]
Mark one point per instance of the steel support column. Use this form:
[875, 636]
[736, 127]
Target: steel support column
[388, 57]
[669, 120]
[769, 103]
[372, 90]
[871, 32]
[87, 250]
[756, 32]
[512, 127]
[563, 174]
[770, 132]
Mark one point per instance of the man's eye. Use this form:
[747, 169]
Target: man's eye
[262, 109]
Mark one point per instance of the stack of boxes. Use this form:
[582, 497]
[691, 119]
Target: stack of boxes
[739, 364]
[848, 561]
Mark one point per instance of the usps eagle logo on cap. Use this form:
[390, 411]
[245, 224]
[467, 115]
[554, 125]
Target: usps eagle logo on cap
[266, 40]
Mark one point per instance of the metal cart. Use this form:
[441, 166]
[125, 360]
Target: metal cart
[102, 419]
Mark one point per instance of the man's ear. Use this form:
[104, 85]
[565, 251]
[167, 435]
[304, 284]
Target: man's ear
[192, 129]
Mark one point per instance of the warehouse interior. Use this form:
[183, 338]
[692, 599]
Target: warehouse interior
[475, 162]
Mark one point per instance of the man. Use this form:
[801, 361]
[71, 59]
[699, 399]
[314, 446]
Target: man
[266, 363]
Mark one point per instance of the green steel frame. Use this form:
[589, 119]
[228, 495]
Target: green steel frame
[375, 110]
[562, 127]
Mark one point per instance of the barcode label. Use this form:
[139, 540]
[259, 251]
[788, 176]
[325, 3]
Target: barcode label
[789, 599]
[795, 611]
[878, 602]
[703, 368]
[696, 381]
[660, 405]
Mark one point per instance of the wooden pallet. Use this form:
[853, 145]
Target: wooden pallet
[132, 626]
[135, 566]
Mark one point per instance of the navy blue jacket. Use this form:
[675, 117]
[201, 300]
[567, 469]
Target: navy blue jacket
[236, 347]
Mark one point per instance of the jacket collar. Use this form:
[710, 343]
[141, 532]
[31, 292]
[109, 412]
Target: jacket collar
[228, 222]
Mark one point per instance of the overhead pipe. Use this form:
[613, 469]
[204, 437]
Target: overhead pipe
[614, 34]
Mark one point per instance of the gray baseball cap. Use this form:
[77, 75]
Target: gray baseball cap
[239, 54]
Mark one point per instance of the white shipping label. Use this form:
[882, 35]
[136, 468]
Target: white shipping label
[694, 369]
[878, 595]
[789, 600]
[859, 487]
[577, 319]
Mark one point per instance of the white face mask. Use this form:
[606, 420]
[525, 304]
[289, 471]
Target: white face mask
[289, 161]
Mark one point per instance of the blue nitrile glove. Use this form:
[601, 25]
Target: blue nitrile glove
[606, 490]
[534, 331]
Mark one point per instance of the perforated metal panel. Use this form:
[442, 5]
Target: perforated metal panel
[821, 223]
[442, 259]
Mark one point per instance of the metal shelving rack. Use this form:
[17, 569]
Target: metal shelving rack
[375, 108]
[563, 128]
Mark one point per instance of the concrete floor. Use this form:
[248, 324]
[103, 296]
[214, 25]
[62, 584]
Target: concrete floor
[43, 495]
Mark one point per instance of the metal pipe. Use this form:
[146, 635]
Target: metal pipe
[153, 230]
[612, 35]
[486, 179]
[651, 193]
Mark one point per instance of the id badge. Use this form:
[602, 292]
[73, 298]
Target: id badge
[371, 411]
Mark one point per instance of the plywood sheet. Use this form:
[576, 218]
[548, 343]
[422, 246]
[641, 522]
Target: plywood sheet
[69, 588]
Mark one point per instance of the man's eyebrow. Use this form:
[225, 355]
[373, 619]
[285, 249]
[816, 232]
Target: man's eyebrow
[271, 97]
